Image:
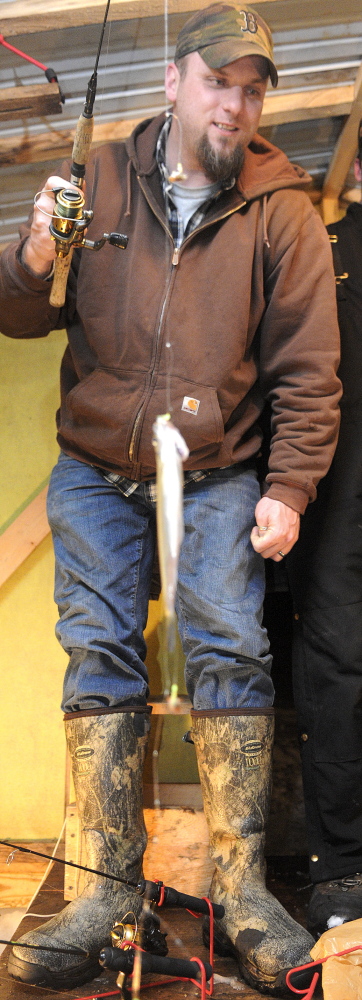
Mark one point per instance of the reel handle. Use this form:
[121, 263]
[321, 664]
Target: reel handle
[122, 960]
[152, 890]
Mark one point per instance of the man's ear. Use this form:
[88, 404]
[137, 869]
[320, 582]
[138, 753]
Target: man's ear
[357, 170]
[172, 79]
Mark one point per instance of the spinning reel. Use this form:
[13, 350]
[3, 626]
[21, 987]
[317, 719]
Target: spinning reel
[70, 220]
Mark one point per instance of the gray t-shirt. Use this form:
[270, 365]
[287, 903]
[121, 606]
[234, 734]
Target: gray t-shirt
[188, 200]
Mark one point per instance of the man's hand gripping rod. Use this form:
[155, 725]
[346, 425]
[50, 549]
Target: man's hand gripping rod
[70, 219]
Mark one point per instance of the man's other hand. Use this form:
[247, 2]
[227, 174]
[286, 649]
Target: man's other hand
[276, 530]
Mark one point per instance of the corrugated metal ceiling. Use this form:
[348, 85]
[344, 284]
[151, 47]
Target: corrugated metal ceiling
[313, 50]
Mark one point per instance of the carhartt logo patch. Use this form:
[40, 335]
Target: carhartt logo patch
[252, 751]
[190, 404]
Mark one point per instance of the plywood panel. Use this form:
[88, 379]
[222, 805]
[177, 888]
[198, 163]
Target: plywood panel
[23, 536]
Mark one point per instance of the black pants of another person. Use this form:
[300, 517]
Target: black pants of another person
[325, 574]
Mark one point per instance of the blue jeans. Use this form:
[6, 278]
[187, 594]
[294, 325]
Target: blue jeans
[104, 549]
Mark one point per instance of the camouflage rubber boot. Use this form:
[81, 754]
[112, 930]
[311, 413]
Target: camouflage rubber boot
[107, 750]
[234, 752]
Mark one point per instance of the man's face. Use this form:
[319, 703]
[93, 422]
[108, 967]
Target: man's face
[218, 111]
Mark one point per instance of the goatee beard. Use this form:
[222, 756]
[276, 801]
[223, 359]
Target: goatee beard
[216, 164]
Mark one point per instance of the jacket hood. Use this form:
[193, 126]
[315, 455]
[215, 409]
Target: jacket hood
[266, 168]
[141, 145]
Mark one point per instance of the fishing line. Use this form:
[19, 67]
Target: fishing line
[167, 649]
[169, 358]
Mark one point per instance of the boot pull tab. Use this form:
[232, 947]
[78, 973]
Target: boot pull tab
[187, 738]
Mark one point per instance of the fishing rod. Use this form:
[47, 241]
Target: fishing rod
[71, 864]
[45, 947]
[122, 960]
[70, 219]
[153, 891]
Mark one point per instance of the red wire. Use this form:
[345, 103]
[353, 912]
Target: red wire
[162, 891]
[211, 944]
[309, 993]
[36, 63]
[203, 977]
[179, 979]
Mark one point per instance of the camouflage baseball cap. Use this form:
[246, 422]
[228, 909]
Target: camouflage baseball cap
[223, 32]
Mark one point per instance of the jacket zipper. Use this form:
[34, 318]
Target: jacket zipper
[138, 417]
[174, 262]
[132, 444]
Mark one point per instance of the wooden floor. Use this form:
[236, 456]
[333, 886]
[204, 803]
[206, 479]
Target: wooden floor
[177, 853]
[20, 874]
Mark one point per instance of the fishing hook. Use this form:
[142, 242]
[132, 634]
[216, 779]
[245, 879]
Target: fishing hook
[11, 856]
[178, 174]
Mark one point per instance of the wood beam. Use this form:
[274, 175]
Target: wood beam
[33, 101]
[342, 157]
[278, 108]
[306, 104]
[57, 143]
[26, 16]
[23, 536]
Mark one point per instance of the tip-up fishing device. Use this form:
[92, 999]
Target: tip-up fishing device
[130, 937]
[33, 99]
[70, 218]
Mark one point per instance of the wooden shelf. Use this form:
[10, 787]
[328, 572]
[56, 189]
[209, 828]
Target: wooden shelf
[278, 108]
[27, 16]
[31, 101]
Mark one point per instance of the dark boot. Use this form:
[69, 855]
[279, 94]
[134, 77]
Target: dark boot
[107, 752]
[335, 902]
[234, 751]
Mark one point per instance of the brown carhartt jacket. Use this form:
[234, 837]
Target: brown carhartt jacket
[247, 306]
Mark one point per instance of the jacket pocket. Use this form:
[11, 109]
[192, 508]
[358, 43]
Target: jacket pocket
[196, 413]
[97, 416]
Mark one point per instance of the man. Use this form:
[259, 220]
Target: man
[228, 272]
[326, 581]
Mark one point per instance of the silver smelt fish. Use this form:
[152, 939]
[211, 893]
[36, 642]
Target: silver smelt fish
[171, 451]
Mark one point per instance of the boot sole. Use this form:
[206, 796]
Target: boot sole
[278, 987]
[39, 975]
